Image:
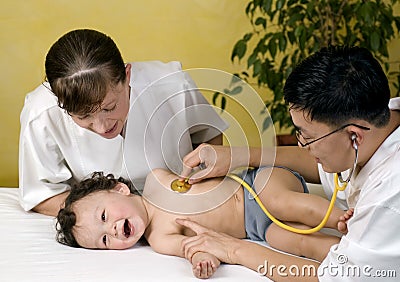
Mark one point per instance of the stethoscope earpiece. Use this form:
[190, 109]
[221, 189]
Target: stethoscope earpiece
[339, 175]
[354, 138]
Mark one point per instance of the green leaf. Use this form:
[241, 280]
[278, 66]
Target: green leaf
[282, 43]
[310, 7]
[302, 41]
[384, 51]
[239, 50]
[272, 48]
[375, 41]
[298, 31]
[293, 20]
[280, 4]
[291, 36]
[235, 79]
[236, 90]
[283, 63]
[267, 6]
[223, 103]
[252, 58]
[261, 21]
[214, 98]
[249, 9]
[247, 36]
[366, 12]
[245, 74]
[261, 47]
[266, 124]
[256, 68]
[387, 66]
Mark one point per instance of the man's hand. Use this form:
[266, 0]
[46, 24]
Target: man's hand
[214, 160]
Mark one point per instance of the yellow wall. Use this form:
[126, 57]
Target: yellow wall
[199, 33]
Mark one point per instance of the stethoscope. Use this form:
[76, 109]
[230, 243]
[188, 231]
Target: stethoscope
[182, 186]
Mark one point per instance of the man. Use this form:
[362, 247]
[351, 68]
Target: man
[340, 105]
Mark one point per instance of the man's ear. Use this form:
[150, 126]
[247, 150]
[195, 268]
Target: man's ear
[122, 188]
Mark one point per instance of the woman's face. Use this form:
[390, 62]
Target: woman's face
[334, 152]
[108, 220]
[109, 120]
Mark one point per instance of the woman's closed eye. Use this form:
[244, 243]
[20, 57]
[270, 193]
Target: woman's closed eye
[107, 110]
[84, 117]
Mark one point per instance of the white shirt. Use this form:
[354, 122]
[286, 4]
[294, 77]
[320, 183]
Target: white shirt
[371, 248]
[165, 117]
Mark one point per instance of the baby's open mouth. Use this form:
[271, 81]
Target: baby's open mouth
[127, 228]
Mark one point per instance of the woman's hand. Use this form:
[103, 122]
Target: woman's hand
[218, 244]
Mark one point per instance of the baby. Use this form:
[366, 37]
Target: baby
[102, 213]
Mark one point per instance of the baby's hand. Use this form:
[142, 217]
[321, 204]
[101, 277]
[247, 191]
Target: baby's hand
[204, 265]
[342, 224]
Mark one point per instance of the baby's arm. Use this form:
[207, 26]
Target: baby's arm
[204, 264]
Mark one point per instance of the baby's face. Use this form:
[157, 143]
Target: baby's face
[108, 220]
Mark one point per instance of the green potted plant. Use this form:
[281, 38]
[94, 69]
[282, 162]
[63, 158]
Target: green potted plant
[286, 31]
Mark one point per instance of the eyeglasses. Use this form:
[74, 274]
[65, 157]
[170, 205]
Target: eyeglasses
[298, 134]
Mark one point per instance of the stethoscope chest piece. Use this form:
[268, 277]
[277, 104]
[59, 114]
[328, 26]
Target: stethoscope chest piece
[180, 186]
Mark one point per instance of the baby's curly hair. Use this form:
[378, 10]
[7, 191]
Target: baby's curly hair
[66, 218]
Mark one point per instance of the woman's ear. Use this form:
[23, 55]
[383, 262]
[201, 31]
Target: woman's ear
[122, 188]
[128, 69]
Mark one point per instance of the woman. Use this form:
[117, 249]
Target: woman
[95, 112]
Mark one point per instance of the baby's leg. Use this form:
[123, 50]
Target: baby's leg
[315, 246]
[283, 195]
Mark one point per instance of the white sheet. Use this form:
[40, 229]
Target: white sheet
[29, 252]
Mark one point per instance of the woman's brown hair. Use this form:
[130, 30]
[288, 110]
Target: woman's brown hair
[81, 67]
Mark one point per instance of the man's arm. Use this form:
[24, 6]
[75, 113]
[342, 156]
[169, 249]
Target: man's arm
[300, 160]
[52, 205]
[219, 160]
[266, 261]
[217, 140]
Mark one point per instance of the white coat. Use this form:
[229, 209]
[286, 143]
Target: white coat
[371, 248]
